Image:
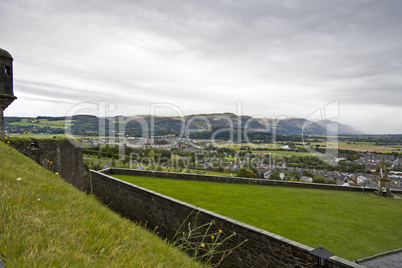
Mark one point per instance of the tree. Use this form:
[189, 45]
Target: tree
[151, 155]
[318, 179]
[307, 173]
[126, 159]
[275, 175]
[245, 173]
[159, 168]
[295, 174]
[175, 160]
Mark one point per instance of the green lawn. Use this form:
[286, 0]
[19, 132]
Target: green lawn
[46, 222]
[349, 224]
[197, 171]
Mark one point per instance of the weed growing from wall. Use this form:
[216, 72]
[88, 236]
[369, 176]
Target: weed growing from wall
[203, 244]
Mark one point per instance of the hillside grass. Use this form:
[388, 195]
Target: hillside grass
[46, 222]
[37, 136]
[349, 224]
[42, 122]
[24, 124]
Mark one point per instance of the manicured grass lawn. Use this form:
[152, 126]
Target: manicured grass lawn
[198, 171]
[349, 224]
[208, 172]
[46, 222]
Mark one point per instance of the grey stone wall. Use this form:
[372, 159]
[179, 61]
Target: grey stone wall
[56, 155]
[196, 177]
[263, 249]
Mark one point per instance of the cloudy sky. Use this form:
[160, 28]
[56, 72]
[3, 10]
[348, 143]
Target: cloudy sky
[272, 58]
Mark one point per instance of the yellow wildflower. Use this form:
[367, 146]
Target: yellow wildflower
[220, 231]
[202, 245]
[212, 237]
[57, 173]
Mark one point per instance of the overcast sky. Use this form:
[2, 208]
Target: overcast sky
[278, 58]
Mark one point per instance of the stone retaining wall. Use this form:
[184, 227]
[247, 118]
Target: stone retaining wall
[166, 215]
[59, 156]
[381, 256]
[227, 179]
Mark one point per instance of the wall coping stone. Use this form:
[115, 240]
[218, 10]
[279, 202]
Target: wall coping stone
[239, 180]
[381, 255]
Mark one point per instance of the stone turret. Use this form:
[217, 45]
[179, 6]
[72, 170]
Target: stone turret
[6, 85]
[383, 180]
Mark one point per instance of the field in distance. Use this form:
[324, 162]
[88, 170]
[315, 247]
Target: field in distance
[349, 144]
[42, 123]
[349, 224]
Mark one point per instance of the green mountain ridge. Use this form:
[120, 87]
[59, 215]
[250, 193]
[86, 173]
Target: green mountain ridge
[192, 123]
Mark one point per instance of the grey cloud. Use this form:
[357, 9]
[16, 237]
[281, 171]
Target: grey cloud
[205, 55]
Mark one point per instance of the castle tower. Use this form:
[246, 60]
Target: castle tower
[6, 85]
[383, 180]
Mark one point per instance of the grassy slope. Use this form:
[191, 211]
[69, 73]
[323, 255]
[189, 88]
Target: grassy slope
[45, 222]
[349, 224]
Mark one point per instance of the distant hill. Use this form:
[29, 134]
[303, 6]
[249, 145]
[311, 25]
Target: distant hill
[294, 126]
[84, 124]
[326, 127]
